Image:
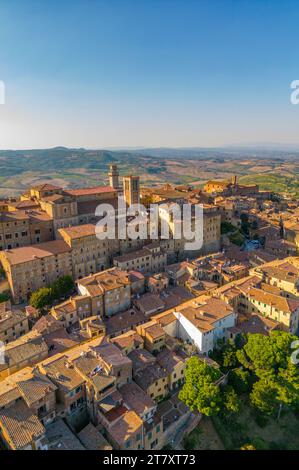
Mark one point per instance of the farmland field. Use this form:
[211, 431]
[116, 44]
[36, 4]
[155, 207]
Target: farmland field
[79, 167]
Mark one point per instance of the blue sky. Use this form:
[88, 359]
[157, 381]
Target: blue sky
[116, 73]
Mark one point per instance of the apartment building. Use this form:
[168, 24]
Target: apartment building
[152, 258]
[174, 363]
[210, 233]
[24, 227]
[23, 352]
[31, 267]
[109, 290]
[137, 400]
[70, 385]
[205, 323]
[89, 254]
[13, 323]
[115, 362]
[201, 322]
[73, 310]
[283, 274]
[124, 429]
[84, 375]
[27, 405]
[153, 336]
[71, 207]
[128, 342]
[154, 381]
[281, 309]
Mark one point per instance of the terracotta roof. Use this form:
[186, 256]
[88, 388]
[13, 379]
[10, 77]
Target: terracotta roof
[141, 358]
[153, 329]
[146, 377]
[165, 318]
[280, 303]
[28, 347]
[127, 340]
[149, 303]
[169, 359]
[256, 324]
[38, 216]
[62, 373]
[28, 383]
[30, 253]
[92, 439]
[124, 321]
[47, 324]
[204, 315]
[136, 398]
[125, 427]
[90, 191]
[60, 437]
[89, 207]
[53, 198]
[103, 281]
[25, 204]
[136, 276]
[111, 355]
[21, 425]
[13, 216]
[10, 318]
[9, 393]
[78, 231]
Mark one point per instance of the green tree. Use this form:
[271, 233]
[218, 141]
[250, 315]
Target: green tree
[265, 355]
[229, 356]
[240, 380]
[231, 401]
[264, 396]
[63, 286]
[200, 391]
[268, 358]
[41, 298]
[225, 355]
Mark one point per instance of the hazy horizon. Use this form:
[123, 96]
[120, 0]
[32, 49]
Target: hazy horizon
[246, 146]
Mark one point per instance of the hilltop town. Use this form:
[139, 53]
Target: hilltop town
[98, 332]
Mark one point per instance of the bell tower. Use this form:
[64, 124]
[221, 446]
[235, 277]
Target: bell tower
[113, 177]
[131, 189]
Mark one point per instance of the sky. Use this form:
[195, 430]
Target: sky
[148, 73]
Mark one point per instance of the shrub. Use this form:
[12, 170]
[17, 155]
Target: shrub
[4, 296]
[261, 420]
[259, 444]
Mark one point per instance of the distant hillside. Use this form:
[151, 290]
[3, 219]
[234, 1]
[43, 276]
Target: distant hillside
[68, 167]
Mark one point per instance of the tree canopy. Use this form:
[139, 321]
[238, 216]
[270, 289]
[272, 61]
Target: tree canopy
[268, 358]
[200, 391]
[41, 298]
[46, 295]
